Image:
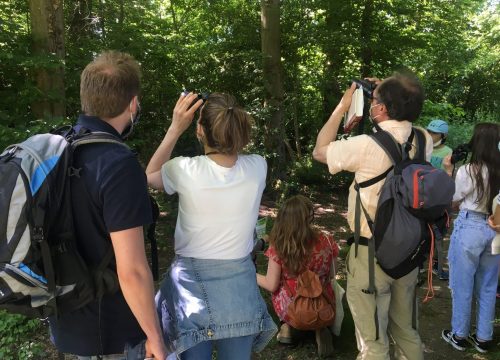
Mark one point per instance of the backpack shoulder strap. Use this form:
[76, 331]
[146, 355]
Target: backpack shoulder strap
[387, 142]
[421, 142]
[391, 147]
[76, 138]
[96, 137]
[78, 135]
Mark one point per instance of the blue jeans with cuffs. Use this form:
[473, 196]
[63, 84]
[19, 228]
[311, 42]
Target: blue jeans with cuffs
[473, 273]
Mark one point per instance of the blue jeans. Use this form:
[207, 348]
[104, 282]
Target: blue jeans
[137, 352]
[473, 272]
[238, 348]
[205, 300]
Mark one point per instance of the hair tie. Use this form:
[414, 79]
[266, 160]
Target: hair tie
[230, 108]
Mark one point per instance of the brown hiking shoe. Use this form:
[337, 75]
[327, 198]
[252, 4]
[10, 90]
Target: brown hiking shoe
[325, 342]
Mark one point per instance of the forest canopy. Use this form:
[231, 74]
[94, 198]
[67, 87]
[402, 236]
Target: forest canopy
[287, 62]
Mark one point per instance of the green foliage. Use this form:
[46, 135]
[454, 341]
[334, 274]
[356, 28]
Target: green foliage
[444, 111]
[461, 126]
[12, 135]
[308, 172]
[18, 337]
[215, 46]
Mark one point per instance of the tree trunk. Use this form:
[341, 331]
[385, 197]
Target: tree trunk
[174, 17]
[47, 29]
[335, 52]
[80, 22]
[365, 39]
[273, 86]
[366, 53]
[122, 14]
[81, 31]
[101, 21]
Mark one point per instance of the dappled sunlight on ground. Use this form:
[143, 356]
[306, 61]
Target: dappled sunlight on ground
[330, 216]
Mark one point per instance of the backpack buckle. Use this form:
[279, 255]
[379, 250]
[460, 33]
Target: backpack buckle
[10, 154]
[74, 171]
[38, 234]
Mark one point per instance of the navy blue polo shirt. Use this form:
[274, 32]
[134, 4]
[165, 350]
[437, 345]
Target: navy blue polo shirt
[110, 195]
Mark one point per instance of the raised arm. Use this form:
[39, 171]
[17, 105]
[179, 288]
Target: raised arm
[181, 119]
[329, 131]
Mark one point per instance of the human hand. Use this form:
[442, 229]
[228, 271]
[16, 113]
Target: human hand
[345, 102]
[155, 350]
[447, 165]
[491, 223]
[183, 112]
[375, 80]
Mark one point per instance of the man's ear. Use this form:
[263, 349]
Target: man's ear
[133, 104]
[383, 108]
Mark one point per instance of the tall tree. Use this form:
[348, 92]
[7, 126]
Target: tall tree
[47, 30]
[273, 86]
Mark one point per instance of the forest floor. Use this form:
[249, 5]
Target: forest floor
[330, 216]
[434, 316]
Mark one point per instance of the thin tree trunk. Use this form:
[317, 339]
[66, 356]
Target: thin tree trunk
[366, 53]
[174, 16]
[79, 25]
[296, 131]
[101, 20]
[122, 13]
[365, 37]
[273, 85]
[47, 29]
[335, 54]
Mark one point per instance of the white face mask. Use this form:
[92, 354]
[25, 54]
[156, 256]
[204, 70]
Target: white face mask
[437, 143]
[372, 118]
[134, 119]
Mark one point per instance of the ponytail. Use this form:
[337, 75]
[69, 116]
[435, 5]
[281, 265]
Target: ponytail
[226, 125]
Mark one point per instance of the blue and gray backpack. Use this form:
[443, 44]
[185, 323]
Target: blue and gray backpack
[415, 195]
[41, 271]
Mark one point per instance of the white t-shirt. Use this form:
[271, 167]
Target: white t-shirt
[466, 190]
[218, 206]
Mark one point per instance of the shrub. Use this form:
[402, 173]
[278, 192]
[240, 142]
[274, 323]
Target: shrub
[19, 337]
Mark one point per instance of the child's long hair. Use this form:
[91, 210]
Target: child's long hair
[292, 235]
[485, 155]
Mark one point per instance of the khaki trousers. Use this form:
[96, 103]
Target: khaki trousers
[393, 303]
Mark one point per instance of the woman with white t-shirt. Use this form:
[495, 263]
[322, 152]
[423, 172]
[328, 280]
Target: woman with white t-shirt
[473, 267]
[210, 295]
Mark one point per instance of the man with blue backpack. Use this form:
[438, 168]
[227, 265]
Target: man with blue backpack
[110, 205]
[73, 203]
[385, 212]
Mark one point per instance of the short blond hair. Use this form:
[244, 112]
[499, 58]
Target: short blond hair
[226, 125]
[109, 83]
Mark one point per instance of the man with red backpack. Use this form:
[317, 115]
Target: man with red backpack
[388, 309]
